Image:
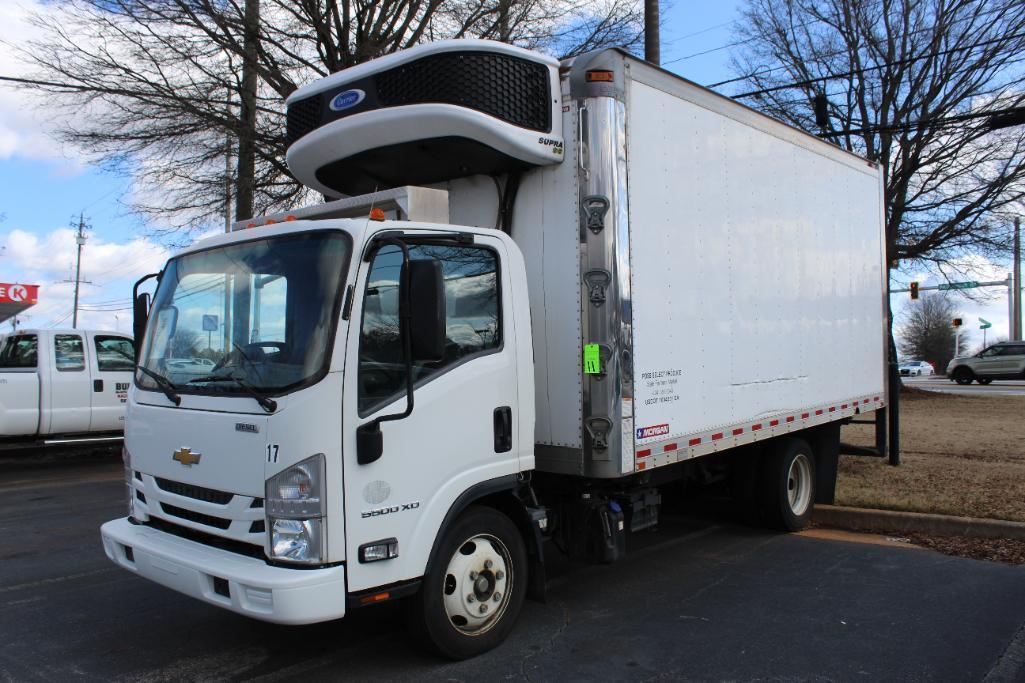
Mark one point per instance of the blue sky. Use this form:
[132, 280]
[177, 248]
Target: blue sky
[44, 186]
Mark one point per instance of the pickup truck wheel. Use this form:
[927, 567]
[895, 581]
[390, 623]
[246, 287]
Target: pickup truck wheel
[470, 598]
[788, 485]
[963, 376]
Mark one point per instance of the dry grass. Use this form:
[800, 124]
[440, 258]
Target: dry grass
[961, 455]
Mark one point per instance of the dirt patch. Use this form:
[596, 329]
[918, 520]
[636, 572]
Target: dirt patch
[961, 455]
[1004, 550]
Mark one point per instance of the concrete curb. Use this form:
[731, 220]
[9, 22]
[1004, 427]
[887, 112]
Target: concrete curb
[902, 522]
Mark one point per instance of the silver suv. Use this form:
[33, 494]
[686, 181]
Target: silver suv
[1005, 360]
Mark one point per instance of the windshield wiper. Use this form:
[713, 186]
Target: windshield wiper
[268, 404]
[165, 385]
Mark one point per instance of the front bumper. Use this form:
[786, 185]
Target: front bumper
[256, 589]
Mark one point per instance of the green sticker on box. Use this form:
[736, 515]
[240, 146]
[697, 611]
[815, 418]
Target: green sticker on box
[592, 359]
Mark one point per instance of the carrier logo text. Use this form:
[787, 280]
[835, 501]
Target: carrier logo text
[648, 432]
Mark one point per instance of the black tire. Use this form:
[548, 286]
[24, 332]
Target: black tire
[984, 380]
[963, 375]
[779, 509]
[427, 613]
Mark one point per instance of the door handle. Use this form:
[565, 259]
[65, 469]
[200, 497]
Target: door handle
[98, 385]
[503, 429]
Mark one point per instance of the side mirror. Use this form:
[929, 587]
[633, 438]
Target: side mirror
[427, 310]
[140, 314]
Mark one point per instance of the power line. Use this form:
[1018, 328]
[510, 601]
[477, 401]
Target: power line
[858, 72]
[832, 54]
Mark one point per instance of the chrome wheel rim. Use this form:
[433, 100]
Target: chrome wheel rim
[476, 584]
[799, 484]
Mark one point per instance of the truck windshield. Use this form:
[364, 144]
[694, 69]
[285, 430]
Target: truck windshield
[256, 316]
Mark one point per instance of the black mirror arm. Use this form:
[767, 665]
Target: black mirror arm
[368, 435]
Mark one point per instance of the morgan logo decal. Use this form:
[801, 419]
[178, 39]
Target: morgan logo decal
[648, 432]
[389, 510]
[185, 456]
[347, 99]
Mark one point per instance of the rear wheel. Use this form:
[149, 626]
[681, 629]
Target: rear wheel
[788, 485]
[473, 593]
[963, 376]
[984, 380]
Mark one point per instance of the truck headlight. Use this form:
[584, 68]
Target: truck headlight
[126, 458]
[295, 509]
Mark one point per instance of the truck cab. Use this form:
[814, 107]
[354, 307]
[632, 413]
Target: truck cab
[63, 384]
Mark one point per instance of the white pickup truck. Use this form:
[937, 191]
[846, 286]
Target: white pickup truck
[58, 385]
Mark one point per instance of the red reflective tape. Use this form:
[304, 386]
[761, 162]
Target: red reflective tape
[865, 401]
[877, 398]
[817, 412]
[738, 430]
[790, 418]
[716, 437]
[774, 423]
[805, 416]
[844, 406]
[694, 442]
[755, 428]
[832, 409]
[669, 447]
[645, 453]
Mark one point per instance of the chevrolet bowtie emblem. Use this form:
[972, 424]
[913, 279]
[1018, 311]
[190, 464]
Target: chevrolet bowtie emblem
[185, 456]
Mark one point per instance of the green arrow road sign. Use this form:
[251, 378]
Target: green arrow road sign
[971, 284]
[985, 324]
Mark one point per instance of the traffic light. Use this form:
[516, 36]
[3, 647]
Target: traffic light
[914, 291]
[957, 322]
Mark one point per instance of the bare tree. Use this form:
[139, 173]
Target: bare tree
[910, 84]
[154, 87]
[926, 332]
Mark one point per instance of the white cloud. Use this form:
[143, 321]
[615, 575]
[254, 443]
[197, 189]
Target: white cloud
[110, 268]
[23, 123]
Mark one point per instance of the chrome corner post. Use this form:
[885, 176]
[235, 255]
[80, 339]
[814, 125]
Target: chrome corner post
[606, 306]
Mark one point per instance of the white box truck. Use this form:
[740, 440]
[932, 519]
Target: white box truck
[63, 387]
[539, 293]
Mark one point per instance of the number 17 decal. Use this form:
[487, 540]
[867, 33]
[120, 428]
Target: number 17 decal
[272, 452]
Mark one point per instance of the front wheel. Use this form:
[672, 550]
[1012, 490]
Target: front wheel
[983, 380]
[963, 376]
[471, 596]
[788, 485]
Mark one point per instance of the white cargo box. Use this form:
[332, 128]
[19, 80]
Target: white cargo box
[735, 283]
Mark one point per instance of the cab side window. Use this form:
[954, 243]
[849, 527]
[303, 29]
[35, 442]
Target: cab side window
[473, 325]
[69, 353]
[114, 354]
[19, 351]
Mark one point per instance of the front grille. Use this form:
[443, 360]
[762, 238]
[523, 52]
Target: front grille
[195, 492]
[302, 117]
[197, 517]
[228, 544]
[509, 88]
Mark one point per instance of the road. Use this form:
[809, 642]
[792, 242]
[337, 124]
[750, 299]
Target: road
[944, 385]
[702, 598]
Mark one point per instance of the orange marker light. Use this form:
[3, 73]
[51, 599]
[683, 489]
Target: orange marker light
[377, 214]
[270, 221]
[290, 217]
[371, 599]
[599, 76]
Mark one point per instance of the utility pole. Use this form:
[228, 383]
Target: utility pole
[652, 51]
[1016, 331]
[80, 240]
[246, 164]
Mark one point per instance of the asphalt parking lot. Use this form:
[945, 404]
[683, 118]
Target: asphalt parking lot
[701, 599]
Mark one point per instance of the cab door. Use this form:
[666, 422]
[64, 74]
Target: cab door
[70, 385]
[464, 421]
[112, 361]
